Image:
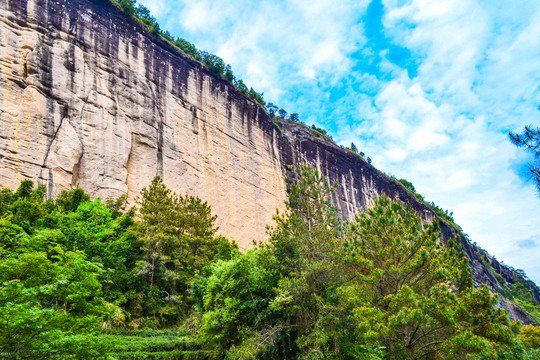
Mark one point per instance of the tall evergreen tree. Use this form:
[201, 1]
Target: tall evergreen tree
[178, 235]
[305, 242]
[414, 295]
[156, 206]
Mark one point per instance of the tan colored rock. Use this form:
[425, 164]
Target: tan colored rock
[89, 102]
[90, 98]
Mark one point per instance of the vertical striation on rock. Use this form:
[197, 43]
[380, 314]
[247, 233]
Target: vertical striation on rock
[89, 98]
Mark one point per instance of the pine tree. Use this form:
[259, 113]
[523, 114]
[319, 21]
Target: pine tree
[413, 294]
[156, 206]
[178, 235]
[305, 242]
[530, 140]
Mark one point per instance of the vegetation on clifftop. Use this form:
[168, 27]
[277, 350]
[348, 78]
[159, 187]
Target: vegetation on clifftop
[214, 63]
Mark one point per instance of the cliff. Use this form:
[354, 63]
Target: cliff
[90, 98]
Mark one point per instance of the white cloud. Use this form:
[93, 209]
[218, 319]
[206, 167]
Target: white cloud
[157, 7]
[476, 79]
[450, 36]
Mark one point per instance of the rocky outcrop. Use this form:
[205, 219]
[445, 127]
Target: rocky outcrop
[90, 98]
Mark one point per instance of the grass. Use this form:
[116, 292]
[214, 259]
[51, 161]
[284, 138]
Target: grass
[168, 344]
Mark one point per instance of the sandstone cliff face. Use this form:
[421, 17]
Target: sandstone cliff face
[90, 98]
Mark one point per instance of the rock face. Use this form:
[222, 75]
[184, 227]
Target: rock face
[90, 98]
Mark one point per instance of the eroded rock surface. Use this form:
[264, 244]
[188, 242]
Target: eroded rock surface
[89, 98]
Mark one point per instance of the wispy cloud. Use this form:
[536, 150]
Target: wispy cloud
[531, 242]
[427, 89]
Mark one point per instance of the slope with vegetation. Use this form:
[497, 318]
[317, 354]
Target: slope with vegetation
[85, 279]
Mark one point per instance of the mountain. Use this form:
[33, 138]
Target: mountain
[91, 98]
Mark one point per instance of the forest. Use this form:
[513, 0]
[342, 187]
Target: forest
[92, 279]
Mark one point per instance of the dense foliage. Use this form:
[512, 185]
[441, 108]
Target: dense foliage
[70, 266]
[446, 216]
[84, 279]
[382, 286]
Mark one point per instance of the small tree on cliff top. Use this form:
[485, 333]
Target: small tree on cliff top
[530, 140]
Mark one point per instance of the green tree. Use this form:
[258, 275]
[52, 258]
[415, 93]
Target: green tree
[279, 301]
[115, 205]
[530, 336]
[50, 300]
[214, 63]
[192, 245]
[27, 205]
[271, 109]
[229, 76]
[305, 242]
[143, 14]
[128, 6]
[188, 48]
[319, 130]
[155, 226]
[241, 86]
[69, 200]
[178, 241]
[282, 113]
[234, 299]
[408, 185]
[294, 117]
[256, 96]
[6, 198]
[414, 295]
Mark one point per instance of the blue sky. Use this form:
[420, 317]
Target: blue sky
[427, 89]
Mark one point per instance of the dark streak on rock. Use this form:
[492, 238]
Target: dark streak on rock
[160, 149]
[41, 13]
[76, 168]
[50, 185]
[19, 8]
